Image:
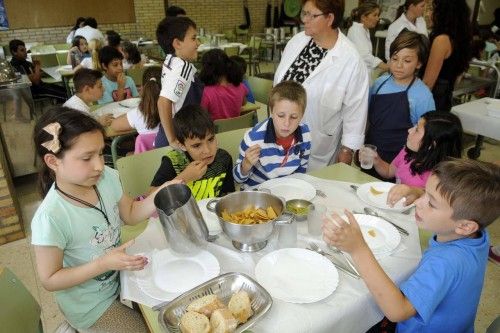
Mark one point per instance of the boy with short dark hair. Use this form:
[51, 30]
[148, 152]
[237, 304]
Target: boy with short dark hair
[461, 198]
[117, 86]
[206, 169]
[280, 145]
[179, 85]
[89, 89]
[34, 72]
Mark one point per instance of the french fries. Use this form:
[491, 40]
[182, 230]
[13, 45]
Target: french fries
[250, 215]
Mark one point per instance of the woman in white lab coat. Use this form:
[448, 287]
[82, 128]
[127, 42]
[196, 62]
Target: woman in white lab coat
[410, 17]
[326, 63]
[364, 18]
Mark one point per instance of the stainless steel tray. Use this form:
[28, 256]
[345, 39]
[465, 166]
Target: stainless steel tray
[223, 286]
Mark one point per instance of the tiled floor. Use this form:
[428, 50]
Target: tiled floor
[19, 257]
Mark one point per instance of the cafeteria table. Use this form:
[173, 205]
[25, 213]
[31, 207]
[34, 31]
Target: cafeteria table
[350, 308]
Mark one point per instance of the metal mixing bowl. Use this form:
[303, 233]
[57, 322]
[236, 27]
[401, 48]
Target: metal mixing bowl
[7, 72]
[247, 237]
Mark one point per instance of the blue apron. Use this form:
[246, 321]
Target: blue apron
[388, 123]
[193, 96]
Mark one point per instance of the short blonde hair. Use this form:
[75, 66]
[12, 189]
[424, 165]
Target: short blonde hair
[291, 91]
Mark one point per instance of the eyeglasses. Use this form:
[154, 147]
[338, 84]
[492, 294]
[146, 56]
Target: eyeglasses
[309, 16]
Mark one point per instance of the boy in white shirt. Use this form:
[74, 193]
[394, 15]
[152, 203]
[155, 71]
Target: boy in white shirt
[89, 89]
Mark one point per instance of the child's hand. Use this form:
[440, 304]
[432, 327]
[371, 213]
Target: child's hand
[118, 260]
[344, 235]
[252, 155]
[194, 171]
[121, 80]
[403, 191]
[105, 120]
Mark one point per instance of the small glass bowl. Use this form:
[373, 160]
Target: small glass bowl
[299, 208]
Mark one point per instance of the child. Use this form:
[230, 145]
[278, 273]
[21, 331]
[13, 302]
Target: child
[92, 62]
[206, 169]
[224, 93]
[437, 136]
[117, 86]
[461, 199]
[132, 58]
[76, 229]
[399, 99]
[145, 117]
[243, 65]
[179, 85]
[278, 146]
[79, 51]
[88, 87]
[113, 39]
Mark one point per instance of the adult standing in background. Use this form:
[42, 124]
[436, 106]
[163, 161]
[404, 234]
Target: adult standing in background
[326, 63]
[364, 18]
[89, 30]
[451, 41]
[71, 35]
[409, 16]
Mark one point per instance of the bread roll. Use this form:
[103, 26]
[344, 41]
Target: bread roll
[240, 307]
[222, 321]
[194, 322]
[206, 305]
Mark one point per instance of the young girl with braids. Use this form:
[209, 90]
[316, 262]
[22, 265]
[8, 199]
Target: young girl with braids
[76, 229]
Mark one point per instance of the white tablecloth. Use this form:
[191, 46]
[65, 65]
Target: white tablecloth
[349, 309]
[475, 119]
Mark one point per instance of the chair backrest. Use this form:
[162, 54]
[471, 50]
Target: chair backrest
[136, 75]
[232, 51]
[43, 49]
[46, 59]
[62, 58]
[260, 88]
[230, 141]
[244, 121]
[20, 311]
[137, 171]
[61, 46]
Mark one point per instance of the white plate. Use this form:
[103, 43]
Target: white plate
[381, 236]
[130, 103]
[379, 200]
[171, 275]
[210, 218]
[290, 188]
[297, 275]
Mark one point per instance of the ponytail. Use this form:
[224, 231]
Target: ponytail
[95, 45]
[151, 87]
[365, 8]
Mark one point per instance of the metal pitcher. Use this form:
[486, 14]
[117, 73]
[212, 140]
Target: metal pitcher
[181, 219]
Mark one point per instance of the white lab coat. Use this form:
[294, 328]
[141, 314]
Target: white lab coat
[402, 22]
[337, 98]
[360, 37]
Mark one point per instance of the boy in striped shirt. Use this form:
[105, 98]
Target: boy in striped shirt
[280, 145]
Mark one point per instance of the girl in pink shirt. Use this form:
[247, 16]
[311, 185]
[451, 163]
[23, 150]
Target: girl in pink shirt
[224, 92]
[436, 137]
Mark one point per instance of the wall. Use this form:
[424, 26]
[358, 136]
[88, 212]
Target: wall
[213, 15]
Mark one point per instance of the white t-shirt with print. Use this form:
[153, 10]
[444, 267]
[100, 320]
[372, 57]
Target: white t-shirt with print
[176, 78]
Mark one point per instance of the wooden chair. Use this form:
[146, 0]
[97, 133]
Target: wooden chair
[137, 171]
[230, 141]
[244, 121]
[20, 311]
[261, 88]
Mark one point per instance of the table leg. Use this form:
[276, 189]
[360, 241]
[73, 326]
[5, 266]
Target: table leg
[474, 152]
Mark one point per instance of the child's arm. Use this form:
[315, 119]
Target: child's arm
[165, 112]
[133, 212]
[36, 76]
[383, 168]
[347, 237]
[121, 80]
[121, 123]
[53, 276]
[410, 193]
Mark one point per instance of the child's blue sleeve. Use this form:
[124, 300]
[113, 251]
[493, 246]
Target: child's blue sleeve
[421, 102]
[133, 88]
[250, 97]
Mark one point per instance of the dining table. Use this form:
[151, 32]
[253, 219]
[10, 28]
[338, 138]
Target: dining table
[349, 308]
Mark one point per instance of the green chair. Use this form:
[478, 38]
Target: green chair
[42, 49]
[230, 141]
[20, 311]
[46, 59]
[62, 46]
[261, 88]
[252, 54]
[244, 121]
[137, 171]
[232, 51]
[136, 75]
[62, 58]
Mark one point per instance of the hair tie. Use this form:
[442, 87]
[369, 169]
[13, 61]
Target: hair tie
[53, 145]
[152, 79]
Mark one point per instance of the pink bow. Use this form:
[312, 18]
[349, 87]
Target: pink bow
[53, 145]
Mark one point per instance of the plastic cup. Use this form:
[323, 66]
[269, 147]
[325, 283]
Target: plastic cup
[368, 155]
[287, 234]
[315, 219]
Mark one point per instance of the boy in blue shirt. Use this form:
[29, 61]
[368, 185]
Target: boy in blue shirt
[461, 198]
[117, 86]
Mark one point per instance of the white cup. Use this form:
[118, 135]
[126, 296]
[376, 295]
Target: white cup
[367, 155]
[315, 219]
